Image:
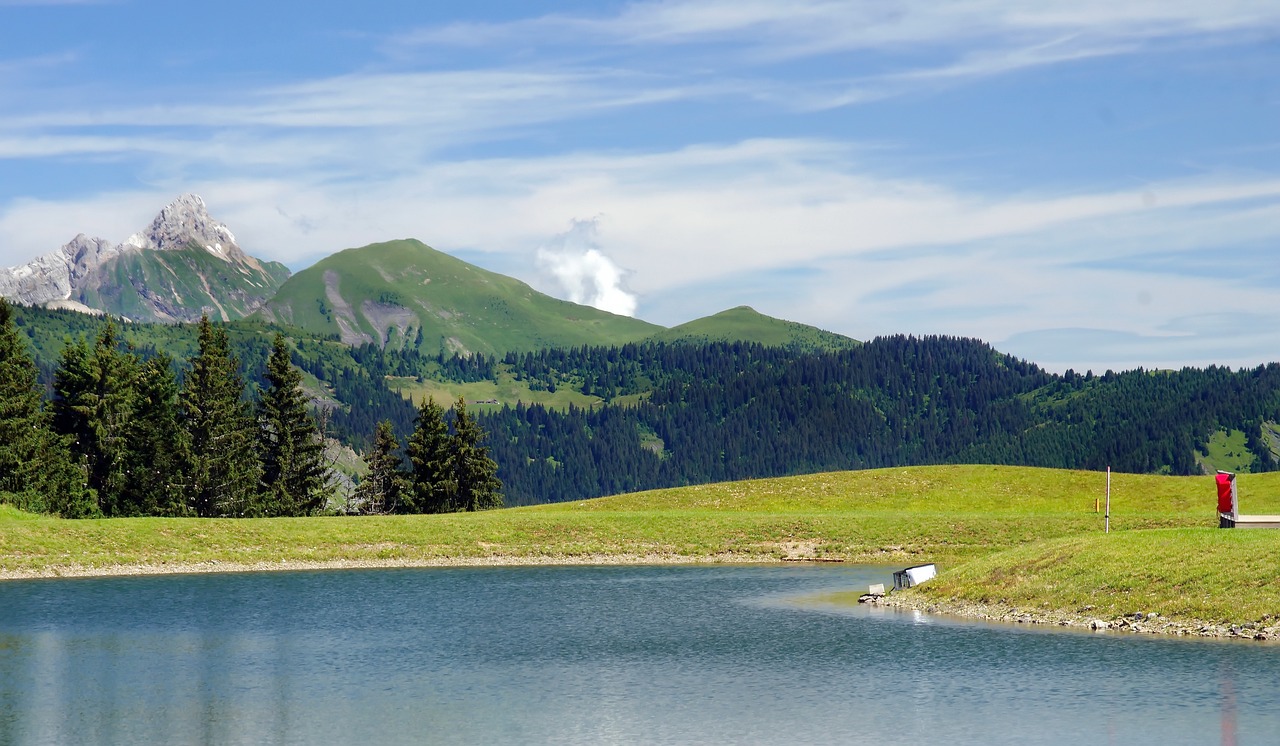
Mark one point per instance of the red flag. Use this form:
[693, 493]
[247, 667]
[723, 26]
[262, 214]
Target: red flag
[1224, 492]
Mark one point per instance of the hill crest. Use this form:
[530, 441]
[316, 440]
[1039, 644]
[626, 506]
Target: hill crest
[745, 324]
[403, 293]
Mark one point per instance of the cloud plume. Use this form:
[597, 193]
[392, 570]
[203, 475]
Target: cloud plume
[586, 274]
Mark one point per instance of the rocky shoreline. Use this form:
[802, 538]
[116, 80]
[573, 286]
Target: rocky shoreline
[1138, 622]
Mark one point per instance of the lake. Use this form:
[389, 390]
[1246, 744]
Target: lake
[587, 655]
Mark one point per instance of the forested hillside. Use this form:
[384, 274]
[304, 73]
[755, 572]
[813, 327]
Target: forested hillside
[720, 412]
[688, 412]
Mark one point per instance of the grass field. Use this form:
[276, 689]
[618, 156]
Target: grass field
[1021, 536]
[1205, 574]
[1226, 450]
[506, 390]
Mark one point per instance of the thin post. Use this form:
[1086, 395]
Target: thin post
[1108, 524]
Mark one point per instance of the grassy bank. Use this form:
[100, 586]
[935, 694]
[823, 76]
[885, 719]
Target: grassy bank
[1003, 535]
[1202, 574]
[941, 514]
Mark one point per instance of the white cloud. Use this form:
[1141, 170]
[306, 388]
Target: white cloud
[585, 274]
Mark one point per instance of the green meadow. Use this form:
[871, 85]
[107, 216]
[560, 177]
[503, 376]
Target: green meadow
[505, 390]
[1021, 536]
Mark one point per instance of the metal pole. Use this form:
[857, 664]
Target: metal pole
[1108, 529]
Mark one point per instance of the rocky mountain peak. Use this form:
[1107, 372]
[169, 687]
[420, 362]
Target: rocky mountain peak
[185, 221]
[53, 276]
[155, 275]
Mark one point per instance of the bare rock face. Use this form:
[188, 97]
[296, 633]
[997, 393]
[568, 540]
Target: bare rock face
[182, 222]
[93, 273]
[55, 275]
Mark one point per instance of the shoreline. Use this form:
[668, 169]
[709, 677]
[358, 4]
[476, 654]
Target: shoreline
[215, 566]
[1083, 621]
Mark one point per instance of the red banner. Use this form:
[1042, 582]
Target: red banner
[1224, 493]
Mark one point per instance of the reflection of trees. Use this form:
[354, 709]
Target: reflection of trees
[1227, 684]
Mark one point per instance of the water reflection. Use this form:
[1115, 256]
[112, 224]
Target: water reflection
[1228, 687]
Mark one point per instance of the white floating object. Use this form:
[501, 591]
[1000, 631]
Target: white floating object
[914, 576]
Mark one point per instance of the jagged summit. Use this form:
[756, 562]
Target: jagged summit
[183, 264]
[183, 221]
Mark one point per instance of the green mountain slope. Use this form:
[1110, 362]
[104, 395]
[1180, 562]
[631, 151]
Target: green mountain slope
[404, 293]
[745, 324]
[181, 284]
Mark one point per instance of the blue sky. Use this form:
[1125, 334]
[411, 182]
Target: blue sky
[1082, 183]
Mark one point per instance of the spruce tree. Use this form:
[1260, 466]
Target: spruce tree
[383, 488]
[94, 397]
[474, 473]
[293, 465]
[225, 471]
[37, 471]
[431, 483]
[158, 446]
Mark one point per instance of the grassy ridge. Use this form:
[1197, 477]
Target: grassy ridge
[745, 324]
[391, 293]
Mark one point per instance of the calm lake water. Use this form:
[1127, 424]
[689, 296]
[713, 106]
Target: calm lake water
[597, 655]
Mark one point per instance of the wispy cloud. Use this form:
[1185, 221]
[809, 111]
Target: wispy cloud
[442, 101]
[911, 43]
[52, 3]
[811, 27]
[38, 62]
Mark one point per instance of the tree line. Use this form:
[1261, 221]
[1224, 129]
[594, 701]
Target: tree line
[120, 435]
[688, 413]
[736, 411]
[449, 468]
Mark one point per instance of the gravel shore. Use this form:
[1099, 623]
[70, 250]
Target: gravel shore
[1137, 622]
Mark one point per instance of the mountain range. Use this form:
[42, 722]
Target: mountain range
[580, 402]
[184, 264]
[396, 295]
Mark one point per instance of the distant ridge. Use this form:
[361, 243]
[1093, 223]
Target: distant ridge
[745, 324]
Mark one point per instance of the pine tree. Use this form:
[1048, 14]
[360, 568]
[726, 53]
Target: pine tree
[431, 485]
[225, 470]
[94, 393]
[37, 471]
[293, 465]
[474, 473]
[158, 446]
[383, 488]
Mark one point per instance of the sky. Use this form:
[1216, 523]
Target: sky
[1086, 184]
